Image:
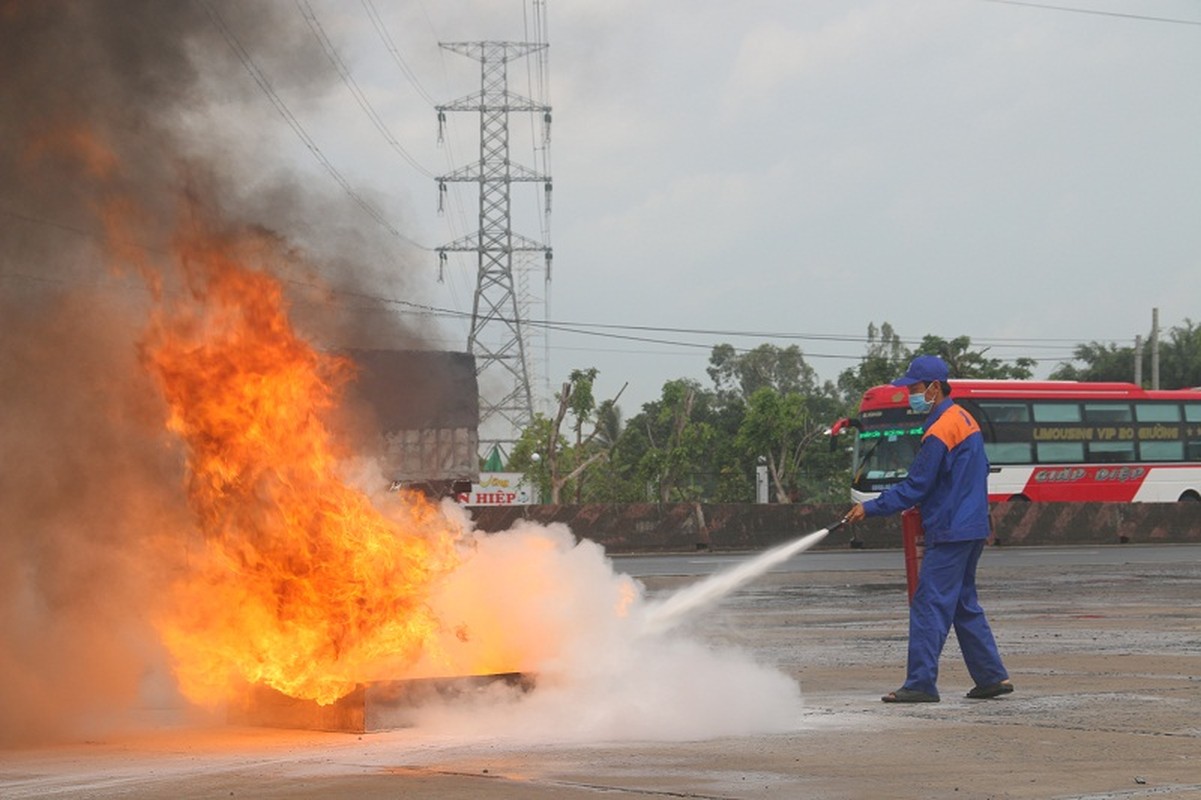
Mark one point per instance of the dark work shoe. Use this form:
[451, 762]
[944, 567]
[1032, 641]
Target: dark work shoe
[995, 690]
[909, 696]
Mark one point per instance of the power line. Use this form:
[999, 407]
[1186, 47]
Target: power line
[310, 16]
[619, 332]
[260, 78]
[394, 51]
[604, 330]
[1096, 12]
[84, 232]
[432, 312]
[828, 337]
[537, 77]
[390, 45]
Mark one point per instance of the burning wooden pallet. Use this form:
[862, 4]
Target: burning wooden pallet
[371, 707]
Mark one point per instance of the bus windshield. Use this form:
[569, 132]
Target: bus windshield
[884, 449]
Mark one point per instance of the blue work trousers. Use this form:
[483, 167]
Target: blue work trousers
[946, 598]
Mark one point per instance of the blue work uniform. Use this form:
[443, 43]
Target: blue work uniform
[948, 482]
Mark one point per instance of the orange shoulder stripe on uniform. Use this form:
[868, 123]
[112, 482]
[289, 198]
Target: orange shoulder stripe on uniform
[953, 427]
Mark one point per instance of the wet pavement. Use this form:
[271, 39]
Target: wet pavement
[1106, 658]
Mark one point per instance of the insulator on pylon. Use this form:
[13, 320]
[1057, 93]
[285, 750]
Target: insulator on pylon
[441, 196]
[547, 187]
[550, 257]
[441, 264]
[546, 127]
[441, 126]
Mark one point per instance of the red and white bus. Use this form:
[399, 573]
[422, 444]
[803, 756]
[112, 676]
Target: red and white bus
[1047, 441]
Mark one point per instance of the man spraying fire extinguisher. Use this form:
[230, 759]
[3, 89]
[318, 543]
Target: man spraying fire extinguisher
[948, 481]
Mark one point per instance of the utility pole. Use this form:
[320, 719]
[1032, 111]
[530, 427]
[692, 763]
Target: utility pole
[497, 338]
[1155, 348]
[1138, 360]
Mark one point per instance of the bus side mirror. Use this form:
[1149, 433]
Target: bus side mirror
[840, 426]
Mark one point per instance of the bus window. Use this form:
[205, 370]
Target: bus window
[1007, 452]
[1056, 412]
[1110, 451]
[1067, 452]
[1107, 412]
[1157, 412]
[998, 412]
[1161, 451]
[1192, 445]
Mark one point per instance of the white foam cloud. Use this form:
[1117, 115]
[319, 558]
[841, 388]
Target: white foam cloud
[560, 610]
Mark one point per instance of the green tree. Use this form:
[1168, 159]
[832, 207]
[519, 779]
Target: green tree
[885, 358]
[963, 362]
[1180, 357]
[780, 428]
[528, 455]
[608, 423]
[793, 389]
[668, 451]
[1179, 360]
[742, 374]
[680, 444]
[1101, 362]
[556, 464]
[575, 396]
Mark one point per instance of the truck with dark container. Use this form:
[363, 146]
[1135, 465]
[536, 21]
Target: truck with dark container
[423, 411]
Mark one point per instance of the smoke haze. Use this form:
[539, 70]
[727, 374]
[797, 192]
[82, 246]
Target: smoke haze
[122, 126]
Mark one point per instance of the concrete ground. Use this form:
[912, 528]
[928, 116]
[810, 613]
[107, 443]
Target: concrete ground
[1106, 660]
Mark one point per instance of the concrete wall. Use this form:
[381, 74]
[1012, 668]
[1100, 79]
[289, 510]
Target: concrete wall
[684, 527]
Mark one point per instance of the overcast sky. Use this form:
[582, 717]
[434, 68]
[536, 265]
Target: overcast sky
[1026, 176]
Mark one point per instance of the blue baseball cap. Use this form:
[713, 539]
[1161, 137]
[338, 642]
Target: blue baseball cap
[923, 369]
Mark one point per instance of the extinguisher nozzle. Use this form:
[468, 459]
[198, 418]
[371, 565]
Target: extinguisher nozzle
[836, 525]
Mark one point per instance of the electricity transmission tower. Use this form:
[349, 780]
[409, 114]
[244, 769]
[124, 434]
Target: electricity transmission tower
[497, 337]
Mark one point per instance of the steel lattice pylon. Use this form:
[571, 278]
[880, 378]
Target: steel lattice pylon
[496, 339]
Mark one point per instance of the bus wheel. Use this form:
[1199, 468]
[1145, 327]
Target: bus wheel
[1019, 498]
[1190, 497]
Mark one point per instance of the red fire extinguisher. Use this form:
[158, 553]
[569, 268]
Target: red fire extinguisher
[914, 538]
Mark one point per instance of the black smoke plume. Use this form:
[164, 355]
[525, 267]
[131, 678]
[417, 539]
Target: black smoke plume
[122, 124]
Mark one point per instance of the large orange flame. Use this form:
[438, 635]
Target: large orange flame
[301, 584]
